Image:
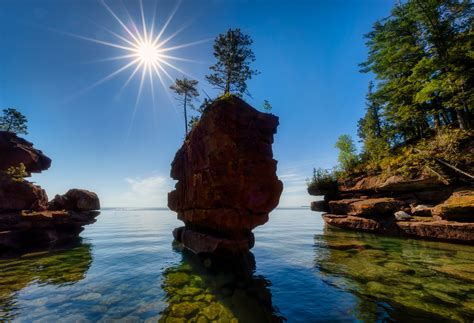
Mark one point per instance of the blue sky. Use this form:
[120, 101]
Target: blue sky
[307, 52]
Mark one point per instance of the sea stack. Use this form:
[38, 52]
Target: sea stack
[27, 219]
[227, 182]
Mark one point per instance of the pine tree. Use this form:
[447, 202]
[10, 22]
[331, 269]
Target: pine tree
[234, 56]
[187, 92]
[13, 121]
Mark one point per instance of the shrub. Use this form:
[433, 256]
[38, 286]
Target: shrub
[17, 174]
[322, 182]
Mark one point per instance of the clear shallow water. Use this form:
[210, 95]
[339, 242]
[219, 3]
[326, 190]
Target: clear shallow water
[127, 268]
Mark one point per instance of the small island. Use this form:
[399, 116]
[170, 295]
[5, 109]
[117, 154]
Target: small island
[27, 219]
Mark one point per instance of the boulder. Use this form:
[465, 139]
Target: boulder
[76, 200]
[226, 175]
[421, 210]
[21, 195]
[402, 216]
[15, 150]
[458, 207]
[367, 208]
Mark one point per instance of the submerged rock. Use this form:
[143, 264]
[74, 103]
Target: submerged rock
[434, 230]
[226, 175]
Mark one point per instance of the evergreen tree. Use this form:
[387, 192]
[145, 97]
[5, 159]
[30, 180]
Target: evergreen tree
[422, 58]
[234, 56]
[187, 92]
[13, 121]
[371, 132]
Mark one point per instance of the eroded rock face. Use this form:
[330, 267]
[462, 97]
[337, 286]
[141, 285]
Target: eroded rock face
[15, 150]
[33, 229]
[76, 200]
[459, 207]
[426, 207]
[21, 195]
[434, 230]
[227, 181]
[367, 208]
[27, 220]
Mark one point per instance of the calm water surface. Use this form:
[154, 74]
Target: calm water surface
[127, 268]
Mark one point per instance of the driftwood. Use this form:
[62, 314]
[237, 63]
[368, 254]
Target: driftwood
[439, 160]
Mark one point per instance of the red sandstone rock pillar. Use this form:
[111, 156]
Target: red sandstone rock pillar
[227, 182]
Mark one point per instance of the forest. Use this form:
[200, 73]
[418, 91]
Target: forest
[420, 104]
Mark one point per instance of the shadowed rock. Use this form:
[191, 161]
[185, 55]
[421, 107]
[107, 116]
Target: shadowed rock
[15, 150]
[226, 175]
[21, 195]
[76, 200]
[27, 220]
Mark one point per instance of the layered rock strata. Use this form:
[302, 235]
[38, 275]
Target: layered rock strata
[27, 219]
[226, 174]
[420, 208]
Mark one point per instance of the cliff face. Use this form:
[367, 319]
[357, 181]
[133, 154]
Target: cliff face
[15, 150]
[425, 207]
[27, 219]
[226, 175]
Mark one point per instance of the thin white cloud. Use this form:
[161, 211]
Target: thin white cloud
[294, 189]
[149, 191]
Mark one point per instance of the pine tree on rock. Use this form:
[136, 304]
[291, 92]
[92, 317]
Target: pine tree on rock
[187, 92]
[234, 56]
[14, 121]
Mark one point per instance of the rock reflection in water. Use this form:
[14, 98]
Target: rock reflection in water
[226, 291]
[53, 267]
[408, 279]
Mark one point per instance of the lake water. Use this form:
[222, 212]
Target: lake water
[127, 268]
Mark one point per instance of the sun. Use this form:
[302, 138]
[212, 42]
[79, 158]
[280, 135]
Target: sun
[144, 49]
[148, 53]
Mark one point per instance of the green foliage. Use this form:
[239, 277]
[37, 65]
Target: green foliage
[267, 106]
[420, 107]
[234, 56]
[187, 92]
[13, 121]
[424, 64]
[348, 158]
[323, 181]
[448, 145]
[17, 173]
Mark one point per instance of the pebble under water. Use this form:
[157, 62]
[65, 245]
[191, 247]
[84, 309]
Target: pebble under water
[127, 268]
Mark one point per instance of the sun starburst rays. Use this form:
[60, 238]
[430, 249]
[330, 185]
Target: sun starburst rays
[144, 50]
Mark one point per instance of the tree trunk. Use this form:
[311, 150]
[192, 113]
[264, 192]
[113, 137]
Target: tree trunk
[9, 126]
[445, 118]
[461, 119]
[227, 84]
[185, 114]
[437, 121]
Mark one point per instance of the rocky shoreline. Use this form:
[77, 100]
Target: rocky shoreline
[424, 208]
[27, 219]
